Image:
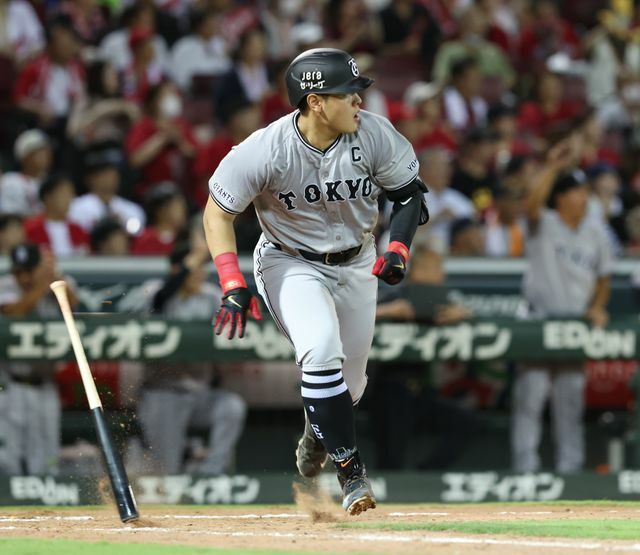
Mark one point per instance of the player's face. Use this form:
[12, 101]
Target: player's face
[24, 278]
[575, 202]
[341, 112]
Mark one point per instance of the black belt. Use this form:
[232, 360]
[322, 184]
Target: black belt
[328, 258]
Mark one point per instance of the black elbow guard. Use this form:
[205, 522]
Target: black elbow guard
[414, 189]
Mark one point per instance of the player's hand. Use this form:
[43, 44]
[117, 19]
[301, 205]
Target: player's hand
[598, 317]
[451, 314]
[233, 312]
[45, 273]
[390, 267]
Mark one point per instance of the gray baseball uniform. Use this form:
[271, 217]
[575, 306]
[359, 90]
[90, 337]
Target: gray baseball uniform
[29, 414]
[319, 202]
[564, 265]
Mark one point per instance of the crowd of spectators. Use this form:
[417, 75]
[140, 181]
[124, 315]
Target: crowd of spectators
[115, 114]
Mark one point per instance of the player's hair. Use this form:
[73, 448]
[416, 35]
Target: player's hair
[303, 106]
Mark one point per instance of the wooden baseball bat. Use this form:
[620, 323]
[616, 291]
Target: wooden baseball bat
[120, 485]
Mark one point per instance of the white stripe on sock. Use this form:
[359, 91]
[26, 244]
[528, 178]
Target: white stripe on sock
[310, 378]
[323, 393]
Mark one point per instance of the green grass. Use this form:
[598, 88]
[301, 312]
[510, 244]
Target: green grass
[68, 547]
[610, 529]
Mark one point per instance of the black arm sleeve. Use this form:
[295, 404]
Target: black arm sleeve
[168, 290]
[409, 211]
[404, 220]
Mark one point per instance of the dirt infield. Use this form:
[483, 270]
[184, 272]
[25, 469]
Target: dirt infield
[321, 530]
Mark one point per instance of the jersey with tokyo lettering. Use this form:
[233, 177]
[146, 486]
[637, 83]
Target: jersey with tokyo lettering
[309, 199]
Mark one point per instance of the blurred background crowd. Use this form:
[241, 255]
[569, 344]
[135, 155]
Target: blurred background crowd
[114, 114]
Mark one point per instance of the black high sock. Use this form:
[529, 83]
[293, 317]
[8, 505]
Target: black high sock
[331, 417]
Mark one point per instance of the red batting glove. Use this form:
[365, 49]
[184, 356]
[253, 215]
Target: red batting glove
[235, 306]
[392, 265]
[237, 301]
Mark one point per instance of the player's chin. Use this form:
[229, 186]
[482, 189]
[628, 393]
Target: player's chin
[352, 126]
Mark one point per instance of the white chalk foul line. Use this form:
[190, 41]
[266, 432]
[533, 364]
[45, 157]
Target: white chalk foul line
[44, 518]
[293, 515]
[391, 538]
[418, 514]
[231, 517]
[525, 513]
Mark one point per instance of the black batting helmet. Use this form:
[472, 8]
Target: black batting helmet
[323, 71]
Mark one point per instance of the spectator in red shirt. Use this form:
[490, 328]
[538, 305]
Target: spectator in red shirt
[50, 84]
[276, 103]
[167, 217]
[143, 71]
[53, 228]
[241, 118]
[549, 110]
[431, 131]
[546, 34]
[161, 146]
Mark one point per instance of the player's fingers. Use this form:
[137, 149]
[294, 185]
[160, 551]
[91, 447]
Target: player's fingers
[377, 267]
[232, 325]
[242, 319]
[219, 323]
[254, 309]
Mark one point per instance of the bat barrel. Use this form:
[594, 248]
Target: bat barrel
[120, 485]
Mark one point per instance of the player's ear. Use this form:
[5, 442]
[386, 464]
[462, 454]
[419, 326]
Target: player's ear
[314, 102]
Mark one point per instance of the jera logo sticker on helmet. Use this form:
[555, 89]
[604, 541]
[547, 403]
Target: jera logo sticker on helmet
[354, 68]
[311, 80]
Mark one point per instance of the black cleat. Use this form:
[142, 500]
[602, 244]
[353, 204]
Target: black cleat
[311, 456]
[356, 487]
[358, 495]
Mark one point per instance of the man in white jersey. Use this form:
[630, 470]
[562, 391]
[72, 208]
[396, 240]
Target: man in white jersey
[314, 177]
[29, 402]
[568, 276]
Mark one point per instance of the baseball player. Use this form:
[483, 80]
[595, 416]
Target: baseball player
[568, 276]
[29, 402]
[314, 178]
